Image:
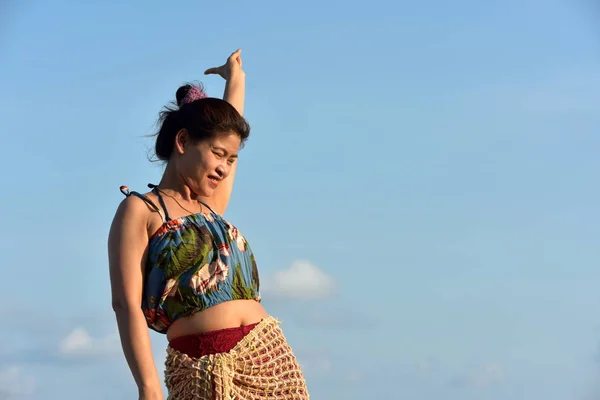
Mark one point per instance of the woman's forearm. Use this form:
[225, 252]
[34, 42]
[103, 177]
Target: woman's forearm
[135, 340]
[235, 91]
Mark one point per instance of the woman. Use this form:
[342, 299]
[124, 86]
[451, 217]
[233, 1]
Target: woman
[192, 272]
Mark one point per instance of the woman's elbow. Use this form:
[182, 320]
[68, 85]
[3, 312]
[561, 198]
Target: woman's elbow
[120, 306]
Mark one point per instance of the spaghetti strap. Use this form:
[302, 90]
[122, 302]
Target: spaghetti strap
[125, 190]
[156, 191]
[207, 206]
[160, 199]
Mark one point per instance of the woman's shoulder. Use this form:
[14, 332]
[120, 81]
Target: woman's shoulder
[135, 206]
[131, 208]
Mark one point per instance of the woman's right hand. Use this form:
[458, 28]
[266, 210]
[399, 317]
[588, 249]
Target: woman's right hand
[231, 69]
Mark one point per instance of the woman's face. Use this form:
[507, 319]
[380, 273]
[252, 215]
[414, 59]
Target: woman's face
[203, 165]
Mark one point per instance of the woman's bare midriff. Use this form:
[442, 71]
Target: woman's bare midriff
[230, 314]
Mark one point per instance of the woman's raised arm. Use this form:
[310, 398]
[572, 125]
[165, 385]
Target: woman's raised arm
[235, 92]
[235, 80]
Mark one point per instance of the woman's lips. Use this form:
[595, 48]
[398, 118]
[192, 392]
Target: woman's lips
[213, 182]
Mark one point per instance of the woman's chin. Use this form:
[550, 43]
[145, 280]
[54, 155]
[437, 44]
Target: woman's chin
[206, 191]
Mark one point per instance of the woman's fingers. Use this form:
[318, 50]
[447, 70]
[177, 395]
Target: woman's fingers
[235, 57]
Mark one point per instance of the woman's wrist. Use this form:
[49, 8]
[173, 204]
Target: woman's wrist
[150, 391]
[236, 75]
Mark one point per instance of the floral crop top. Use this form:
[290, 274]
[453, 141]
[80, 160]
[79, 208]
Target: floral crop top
[194, 262]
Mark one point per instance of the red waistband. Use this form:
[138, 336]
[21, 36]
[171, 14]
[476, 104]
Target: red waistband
[213, 342]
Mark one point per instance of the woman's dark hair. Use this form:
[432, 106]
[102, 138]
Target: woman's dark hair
[204, 118]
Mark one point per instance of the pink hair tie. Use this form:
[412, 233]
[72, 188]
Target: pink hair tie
[195, 93]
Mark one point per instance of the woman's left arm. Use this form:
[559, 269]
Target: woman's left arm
[234, 94]
[235, 80]
[235, 90]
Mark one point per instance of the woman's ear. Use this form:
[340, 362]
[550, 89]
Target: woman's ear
[181, 140]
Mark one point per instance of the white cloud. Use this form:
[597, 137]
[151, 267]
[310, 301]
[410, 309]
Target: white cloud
[319, 365]
[77, 340]
[80, 343]
[302, 280]
[13, 382]
[489, 375]
[433, 369]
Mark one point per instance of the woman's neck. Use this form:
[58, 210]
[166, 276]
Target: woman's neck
[174, 182]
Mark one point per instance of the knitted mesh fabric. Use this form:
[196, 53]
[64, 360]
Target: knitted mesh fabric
[261, 366]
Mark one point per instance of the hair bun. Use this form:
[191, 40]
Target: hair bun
[189, 93]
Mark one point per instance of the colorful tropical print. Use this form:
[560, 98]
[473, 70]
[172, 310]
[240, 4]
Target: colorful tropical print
[195, 262]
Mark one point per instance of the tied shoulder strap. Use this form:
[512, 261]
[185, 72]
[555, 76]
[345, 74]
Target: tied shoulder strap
[125, 190]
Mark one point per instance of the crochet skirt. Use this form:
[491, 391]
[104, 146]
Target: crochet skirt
[260, 366]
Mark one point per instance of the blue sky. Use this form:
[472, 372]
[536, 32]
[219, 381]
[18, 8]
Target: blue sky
[427, 170]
